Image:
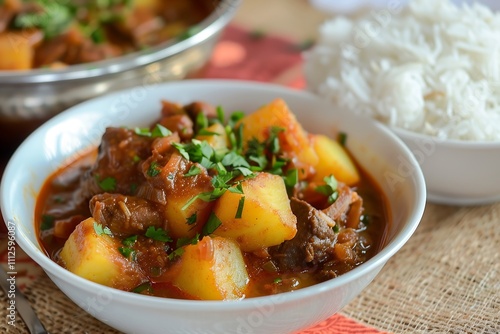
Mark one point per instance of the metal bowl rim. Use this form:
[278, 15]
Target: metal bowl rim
[209, 27]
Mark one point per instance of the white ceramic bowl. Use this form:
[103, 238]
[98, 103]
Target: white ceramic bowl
[376, 148]
[456, 172]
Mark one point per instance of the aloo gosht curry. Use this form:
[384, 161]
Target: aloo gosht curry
[202, 205]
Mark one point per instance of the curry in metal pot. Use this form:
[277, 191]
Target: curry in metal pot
[58, 33]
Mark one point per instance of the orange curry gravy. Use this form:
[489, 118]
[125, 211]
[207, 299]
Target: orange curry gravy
[64, 202]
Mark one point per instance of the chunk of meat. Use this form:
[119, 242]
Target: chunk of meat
[118, 162]
[125, 215]
[313, 243]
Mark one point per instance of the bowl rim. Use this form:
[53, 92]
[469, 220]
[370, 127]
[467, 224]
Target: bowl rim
[446, 142]
[374, 263]
[209, 27]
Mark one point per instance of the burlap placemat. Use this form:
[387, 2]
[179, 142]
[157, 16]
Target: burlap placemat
[57, 312]
[446, 279]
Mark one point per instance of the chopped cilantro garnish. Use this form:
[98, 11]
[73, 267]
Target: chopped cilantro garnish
[129, 241]
[187, 241]
[192, 219]
[52, 18]
[238, 189]
[128, 253]
[291, 178]
[205, 132]
[107, 184]
[181, 242]
[175, 254]
[329, 189]
[144, 287]
[98, 36]
[273, 142]
[158, 234]
[336, 228]
[160, 131]
[154, 169]
[277, 280]
[194, 170]
[47, 222]
[201, 121]
[197, 151]
[99, 230]
[157, 132]
[239, 211]
[220, 114]
[211, 225]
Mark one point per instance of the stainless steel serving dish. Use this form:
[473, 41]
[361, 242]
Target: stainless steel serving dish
[29, 98]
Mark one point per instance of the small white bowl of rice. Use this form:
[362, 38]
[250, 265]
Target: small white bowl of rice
[430, 70]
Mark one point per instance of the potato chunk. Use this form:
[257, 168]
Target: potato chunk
[294, 141]
[16, 52]
[218, 140]
[180, 189]
[333, 159]
[96, 258]
[266, 219]
[213, 269]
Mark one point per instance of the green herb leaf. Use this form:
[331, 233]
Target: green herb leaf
[47, 222]
[129, 241]
[144, 287]
[187, 241]
[158, 234]
[160, 131]
[128, 253]
[175, 254]
[239, 211]
[205, 132]
[238, 189]
[201, 121]
[99, 230]
[220, 114]
[192, 219]
[291, 178]
[211, 225]
[154, 169]
[329, 189]
[193, 171]
[107, 184]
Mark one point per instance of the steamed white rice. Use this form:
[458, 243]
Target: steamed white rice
[430, 67]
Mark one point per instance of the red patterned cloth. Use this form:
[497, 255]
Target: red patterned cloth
[241, 54]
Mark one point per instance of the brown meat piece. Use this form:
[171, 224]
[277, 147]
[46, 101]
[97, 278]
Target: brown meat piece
[119, 161]
[313, 243]
[125, 215]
